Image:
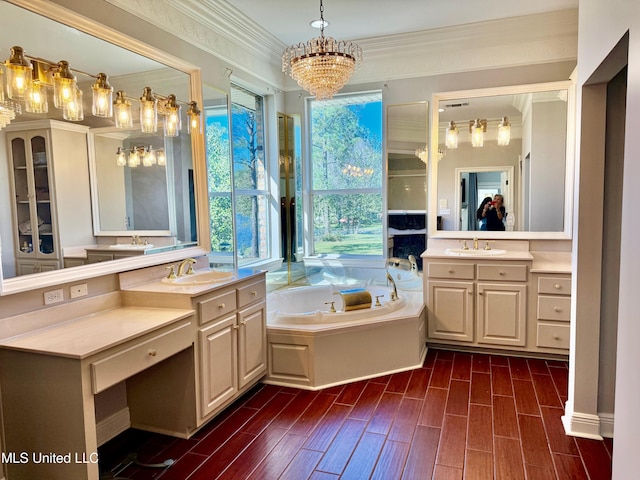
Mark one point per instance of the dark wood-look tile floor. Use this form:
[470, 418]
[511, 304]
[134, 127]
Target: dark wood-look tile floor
[461, 415]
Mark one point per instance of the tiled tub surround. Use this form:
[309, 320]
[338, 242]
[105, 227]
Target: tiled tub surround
[77, 374]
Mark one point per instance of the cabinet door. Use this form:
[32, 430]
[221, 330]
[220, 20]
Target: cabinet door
[218, 364]
[502, 314]
[252, 344]
[450, 307]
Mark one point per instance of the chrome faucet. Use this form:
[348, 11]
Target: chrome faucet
[182, 264]
[394, 294]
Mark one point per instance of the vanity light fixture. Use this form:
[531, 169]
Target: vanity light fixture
[172, 123]
[195, 118]
[323, 65]
[19, 72]
[504, 132]
[452, 135]
[102, 101]
[134, 158]
[161, 158]
[73, 109]
[148, 157]
[122, 109]
[148, 111]
[477, 128]
[121, 157]
[64, 84]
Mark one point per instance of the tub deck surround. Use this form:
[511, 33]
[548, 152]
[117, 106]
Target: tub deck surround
[156, 351]
[339, 350]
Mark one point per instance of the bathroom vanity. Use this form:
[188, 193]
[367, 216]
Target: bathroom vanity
[170, 355]
[515, 300]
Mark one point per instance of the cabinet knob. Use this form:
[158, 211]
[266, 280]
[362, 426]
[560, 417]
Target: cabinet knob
[501, 273]
[557, 309]
[254, 292]
[557, 286]
[152, 352]
[556, 337]
[236, 327]
[480, 293]
[243, 322]
[221, 306]
[451, 270]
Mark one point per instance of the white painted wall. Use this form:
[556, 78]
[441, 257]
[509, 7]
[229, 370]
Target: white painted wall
[601, 26]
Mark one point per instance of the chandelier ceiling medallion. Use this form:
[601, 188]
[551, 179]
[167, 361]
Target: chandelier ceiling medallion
[323, 65]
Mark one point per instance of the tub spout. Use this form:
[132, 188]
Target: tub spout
[394, 294]
[414, 264]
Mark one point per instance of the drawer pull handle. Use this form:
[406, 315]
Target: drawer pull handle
[152, 352]
[557, 285]
[221, 306]
[501, 273]
[557, 309]
[254, 292]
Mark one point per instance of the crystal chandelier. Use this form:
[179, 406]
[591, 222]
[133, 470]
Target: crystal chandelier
[323, 65]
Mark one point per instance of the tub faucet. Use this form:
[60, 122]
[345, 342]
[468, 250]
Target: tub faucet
[414, 264]
[394, 294]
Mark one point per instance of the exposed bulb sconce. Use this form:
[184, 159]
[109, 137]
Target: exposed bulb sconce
[441, 153]
[452, 135]
[19, 73]
[122, 109]
[172, 122]
[193, 113]
[64, 84]
[36, 101]
[161, 158]
[504, 132]
[477, 128]
[102, 102]
[134, 158]
[121, 157]
[148, 111]
[148, 157]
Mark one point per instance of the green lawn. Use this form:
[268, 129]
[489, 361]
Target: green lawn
[369, 243]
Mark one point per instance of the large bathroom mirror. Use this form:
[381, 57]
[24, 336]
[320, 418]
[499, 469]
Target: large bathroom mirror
[116, 205]
[516, 142]
[407, 159]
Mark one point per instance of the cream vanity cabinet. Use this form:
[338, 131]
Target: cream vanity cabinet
[552, 311]
[232, 342]
[477, 302]
[50, 192]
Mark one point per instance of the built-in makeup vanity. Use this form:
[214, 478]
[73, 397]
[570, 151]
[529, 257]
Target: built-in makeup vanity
[158, 355]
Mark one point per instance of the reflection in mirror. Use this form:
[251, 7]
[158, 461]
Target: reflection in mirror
[51, 224]
[528, 163]
[407, 159]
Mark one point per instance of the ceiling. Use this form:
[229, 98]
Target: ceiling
[288, 20]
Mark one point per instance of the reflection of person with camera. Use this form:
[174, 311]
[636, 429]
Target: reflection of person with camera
[494, 213]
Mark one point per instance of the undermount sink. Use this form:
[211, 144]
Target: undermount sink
[129, 246]
[469, 252]
[199, 278]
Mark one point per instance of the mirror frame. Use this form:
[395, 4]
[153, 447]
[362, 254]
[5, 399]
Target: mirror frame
[566, 233]
[73, 20]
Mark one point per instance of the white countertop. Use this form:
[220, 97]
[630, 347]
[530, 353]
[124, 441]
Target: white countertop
[551, 262]
[508, 255]
[91, 334]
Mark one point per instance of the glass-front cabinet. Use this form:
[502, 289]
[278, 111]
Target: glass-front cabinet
[36, 250]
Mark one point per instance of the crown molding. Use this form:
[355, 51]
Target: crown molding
[221, 30]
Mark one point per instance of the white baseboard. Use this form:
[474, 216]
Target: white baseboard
[113, 425]
[606, 424]
[581, 424]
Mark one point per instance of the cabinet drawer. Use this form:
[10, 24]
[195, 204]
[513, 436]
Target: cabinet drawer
[513, 273]
[555, 286]
[140, 355]
[451, 270]
[250, 293]
[554, 308]
[98, 257]
[553, 336]
[217, 306]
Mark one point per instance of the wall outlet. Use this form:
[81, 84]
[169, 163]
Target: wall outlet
[78, 290]
[53, 296]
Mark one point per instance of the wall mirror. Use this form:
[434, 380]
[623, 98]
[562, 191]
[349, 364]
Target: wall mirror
[530, 164]
[114, 203]
[407, 158]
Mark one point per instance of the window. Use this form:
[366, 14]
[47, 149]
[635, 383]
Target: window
[346, 173]
[250, 181]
